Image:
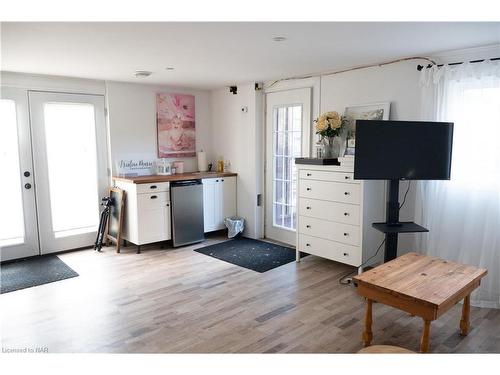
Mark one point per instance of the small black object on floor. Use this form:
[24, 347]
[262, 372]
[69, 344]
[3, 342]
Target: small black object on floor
[32, 272]
[259, 256]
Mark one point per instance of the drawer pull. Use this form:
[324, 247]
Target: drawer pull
[308, 207]
[216, 180]
[308, 226]
[168, 204]
[346, 234]
[346, 213]
[308, 189]
[222, 180]
[309, 175]
[308, 244]
[153, 187]
[346, 254]
[347, 177]
[347, 193]
[153, 197]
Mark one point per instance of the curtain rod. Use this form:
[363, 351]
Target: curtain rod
[350, 69]
[420, 67]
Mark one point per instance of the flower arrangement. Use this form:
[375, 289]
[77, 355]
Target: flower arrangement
[330, 124]
[329, 127]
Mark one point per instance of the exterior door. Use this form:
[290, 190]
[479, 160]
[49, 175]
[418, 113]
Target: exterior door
[18, 226]
[69, 148]
[288, 127]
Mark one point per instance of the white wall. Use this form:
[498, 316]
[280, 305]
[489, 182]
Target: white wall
[132, 120]
[395, 83]
[237, 137]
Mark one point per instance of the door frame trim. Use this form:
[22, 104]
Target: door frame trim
[290, 86]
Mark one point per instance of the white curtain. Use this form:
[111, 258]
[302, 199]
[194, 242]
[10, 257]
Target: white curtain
[463, 214]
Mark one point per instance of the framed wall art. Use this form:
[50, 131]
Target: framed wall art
[175, 119]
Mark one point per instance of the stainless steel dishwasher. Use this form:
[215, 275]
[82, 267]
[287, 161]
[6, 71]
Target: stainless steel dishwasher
[187, 212]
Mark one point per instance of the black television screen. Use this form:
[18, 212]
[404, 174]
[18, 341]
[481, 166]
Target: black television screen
[403, 150]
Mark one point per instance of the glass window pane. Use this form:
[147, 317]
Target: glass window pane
[297, 118]
[278, 215]
[287, 146]
[278, 168]
[72, 167]
[279, 119]
[297, 144]
[287, 169]
[278, 192]
[11, 198]
[279, 143]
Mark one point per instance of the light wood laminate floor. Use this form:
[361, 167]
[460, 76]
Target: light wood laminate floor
[177, 300]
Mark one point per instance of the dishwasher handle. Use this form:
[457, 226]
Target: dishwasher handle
[185, 183]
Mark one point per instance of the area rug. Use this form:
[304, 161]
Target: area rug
[32, 272]
[259, 256]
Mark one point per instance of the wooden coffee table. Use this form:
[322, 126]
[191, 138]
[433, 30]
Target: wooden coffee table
[422, 286]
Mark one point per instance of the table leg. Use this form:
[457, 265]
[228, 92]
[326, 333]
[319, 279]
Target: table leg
[424, 341]
[465, 320]
[367, 333]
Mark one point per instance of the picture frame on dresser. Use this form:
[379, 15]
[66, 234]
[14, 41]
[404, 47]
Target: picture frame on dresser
[373, 111]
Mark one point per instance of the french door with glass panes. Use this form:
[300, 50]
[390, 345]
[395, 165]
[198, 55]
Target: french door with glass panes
[57, 174]
[18, 223]
[288, 127]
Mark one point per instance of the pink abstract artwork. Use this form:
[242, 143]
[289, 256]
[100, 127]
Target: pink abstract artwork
[176, 125]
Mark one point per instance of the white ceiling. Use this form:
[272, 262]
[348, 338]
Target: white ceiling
[208, 55]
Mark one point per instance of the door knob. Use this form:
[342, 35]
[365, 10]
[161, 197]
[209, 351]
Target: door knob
[27, 186]
[27, 174]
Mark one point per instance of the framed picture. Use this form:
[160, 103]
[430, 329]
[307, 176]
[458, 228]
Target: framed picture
[175, 119]
[115, 219]
[375, 111]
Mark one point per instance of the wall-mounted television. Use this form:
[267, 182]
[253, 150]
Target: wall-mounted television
[403, 150]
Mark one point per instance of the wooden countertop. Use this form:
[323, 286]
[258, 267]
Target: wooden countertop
[173, 177]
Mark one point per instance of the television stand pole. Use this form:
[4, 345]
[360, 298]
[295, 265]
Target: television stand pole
[392, 219]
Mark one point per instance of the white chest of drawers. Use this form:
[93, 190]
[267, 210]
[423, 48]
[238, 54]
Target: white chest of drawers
[335, 213]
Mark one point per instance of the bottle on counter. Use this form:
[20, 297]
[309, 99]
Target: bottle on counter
[220, 165]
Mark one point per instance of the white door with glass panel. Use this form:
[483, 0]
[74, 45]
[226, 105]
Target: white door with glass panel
[57, 171]
[288, 127]
[69, 146]
[18, 223]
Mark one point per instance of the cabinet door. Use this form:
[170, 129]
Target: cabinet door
[228, 197]
[210, 206]
[153, 217]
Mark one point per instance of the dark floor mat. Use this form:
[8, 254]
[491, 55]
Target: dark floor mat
[255, 255]
[32, 272]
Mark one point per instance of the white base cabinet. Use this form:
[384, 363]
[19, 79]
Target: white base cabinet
[219, 201]
[147, 212]
[335, 213]
[147, 215]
